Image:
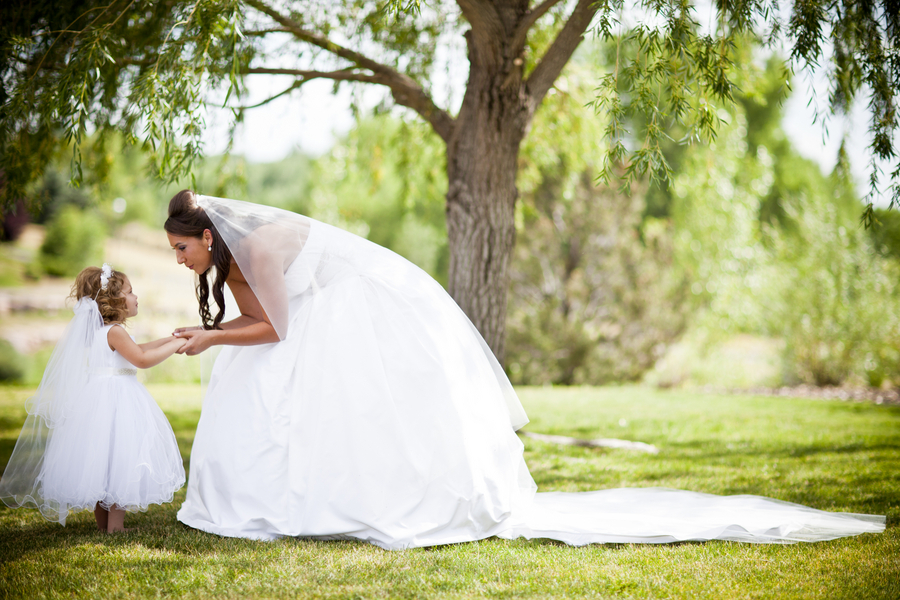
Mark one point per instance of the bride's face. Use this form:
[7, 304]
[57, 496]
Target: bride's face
[191, 252]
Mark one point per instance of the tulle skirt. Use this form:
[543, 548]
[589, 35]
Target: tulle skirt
[114, 447]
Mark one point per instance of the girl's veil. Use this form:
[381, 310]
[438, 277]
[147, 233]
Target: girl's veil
[64, 379]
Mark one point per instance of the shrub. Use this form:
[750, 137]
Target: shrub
[840, 301]
[817, 284]
[594, 297]
[74, 239]
[12, 364]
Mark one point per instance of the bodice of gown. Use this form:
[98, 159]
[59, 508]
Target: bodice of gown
[104, 360]
[328, 255]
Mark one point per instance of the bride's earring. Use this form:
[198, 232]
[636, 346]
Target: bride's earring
[209, 249]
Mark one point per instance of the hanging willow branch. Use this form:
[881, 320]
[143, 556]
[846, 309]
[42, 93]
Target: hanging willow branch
[147, 68]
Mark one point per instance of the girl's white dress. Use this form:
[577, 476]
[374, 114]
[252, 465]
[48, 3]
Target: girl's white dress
[383, 416]
[113, 446]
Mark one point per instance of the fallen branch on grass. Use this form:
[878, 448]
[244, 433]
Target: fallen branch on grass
[597, 443]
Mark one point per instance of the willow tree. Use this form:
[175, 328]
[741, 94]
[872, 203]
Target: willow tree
[147, 68]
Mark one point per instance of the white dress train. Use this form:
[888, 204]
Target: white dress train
[382, 416]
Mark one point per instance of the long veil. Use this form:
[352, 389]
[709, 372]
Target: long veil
[64, 379]
[264, 241]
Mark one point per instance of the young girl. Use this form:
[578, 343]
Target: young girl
[94, 438]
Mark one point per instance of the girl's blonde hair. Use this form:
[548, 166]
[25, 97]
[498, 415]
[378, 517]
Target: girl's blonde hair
[110, 301]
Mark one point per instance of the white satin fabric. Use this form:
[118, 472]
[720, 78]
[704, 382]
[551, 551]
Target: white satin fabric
[382, 416]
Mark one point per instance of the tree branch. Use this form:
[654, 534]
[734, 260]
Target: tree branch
[321, 41]
[262, 32]
[290, 89]
[342, 75]
[521, 34]
[487, 31]
[405, 90]
[556, 57]
[306, 76]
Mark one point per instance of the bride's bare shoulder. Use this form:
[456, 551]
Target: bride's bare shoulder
[235, 275]
[277, 239]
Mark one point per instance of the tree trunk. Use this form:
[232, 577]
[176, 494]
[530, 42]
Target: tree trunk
[483, 149]
[482, 166]
[481, 228]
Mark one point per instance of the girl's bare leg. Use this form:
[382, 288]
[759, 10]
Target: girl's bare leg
[116, 520]
[102, 517]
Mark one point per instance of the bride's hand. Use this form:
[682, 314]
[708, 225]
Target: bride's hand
[198, 340]
[183, 329]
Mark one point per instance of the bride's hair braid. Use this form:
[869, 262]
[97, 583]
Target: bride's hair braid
[186, 219]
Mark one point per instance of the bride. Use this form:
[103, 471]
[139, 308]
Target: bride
[353, 399]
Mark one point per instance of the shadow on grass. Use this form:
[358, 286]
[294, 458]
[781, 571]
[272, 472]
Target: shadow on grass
[6, 449]
[159, 531]
[712, 449]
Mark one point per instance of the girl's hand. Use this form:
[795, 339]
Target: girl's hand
[198, 340]
[183, 329]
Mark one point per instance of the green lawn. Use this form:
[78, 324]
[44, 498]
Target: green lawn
[827, 454]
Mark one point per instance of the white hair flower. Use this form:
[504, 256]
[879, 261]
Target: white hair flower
[106, 272]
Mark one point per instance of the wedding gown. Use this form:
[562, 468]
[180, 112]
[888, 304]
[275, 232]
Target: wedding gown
[382, 416]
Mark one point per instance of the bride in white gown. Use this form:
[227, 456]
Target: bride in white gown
[354, 399]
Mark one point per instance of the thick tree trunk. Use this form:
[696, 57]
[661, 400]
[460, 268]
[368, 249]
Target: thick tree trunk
[483, 149]
[481, 225]
[481, 197]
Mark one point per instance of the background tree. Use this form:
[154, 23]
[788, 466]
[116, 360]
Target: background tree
[146, 68]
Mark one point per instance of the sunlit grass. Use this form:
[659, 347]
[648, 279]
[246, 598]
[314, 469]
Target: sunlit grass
[827, 454]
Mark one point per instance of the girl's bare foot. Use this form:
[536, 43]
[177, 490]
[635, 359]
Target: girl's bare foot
[102, 517]
[122, 530]
[116, 522]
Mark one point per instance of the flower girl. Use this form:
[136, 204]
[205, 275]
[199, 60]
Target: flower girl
[94, 438]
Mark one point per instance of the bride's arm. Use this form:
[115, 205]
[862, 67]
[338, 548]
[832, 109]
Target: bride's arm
[251, 328]
[249, 335]
[256, 281]
[241, 321]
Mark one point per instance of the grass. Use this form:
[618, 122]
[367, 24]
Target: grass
[827, 454]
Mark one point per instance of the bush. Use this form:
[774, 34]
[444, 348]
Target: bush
[594, 296]
[73, 240]
[54, 194]
[12, 364]
[813, 280]
[840, 301]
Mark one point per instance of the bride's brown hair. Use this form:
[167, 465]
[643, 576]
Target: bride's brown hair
[186, 219]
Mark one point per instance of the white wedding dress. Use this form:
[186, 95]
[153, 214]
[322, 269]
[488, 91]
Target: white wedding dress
[383, 416]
